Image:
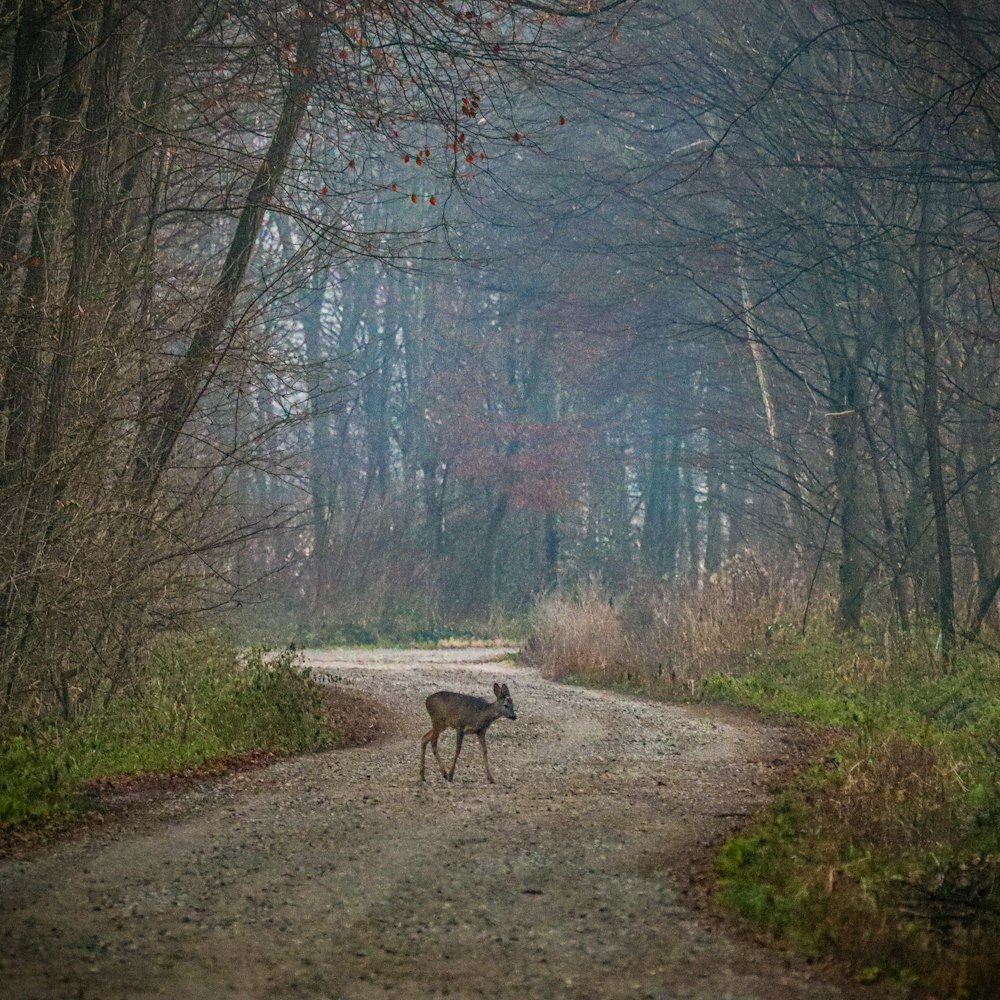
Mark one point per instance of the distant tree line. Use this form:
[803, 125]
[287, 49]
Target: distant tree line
[745, 302]
[388, 309]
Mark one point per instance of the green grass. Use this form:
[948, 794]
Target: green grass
[196, 703]
[887, 853]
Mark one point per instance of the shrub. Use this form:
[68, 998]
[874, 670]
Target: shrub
[684, 634]
[889, 852]
[197, 701]
[35, 779]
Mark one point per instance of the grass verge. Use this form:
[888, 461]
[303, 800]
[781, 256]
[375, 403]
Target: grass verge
[886, 852]
[198, 708]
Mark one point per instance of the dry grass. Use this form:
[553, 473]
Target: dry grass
[665, 639]
[578, 635]
[901, 797]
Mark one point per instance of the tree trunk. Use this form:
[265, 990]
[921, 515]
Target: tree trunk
[192, 373]
[661, 521]
[931, 414]
[976, 495]
[714, 543]
[31, 330]
[321, 486]
[86, 303]
[482, 591]
[791, 500]
[33, 49]
[844, 355]
[893, 542]
[851, 574]
[553, 539]
[692, 519]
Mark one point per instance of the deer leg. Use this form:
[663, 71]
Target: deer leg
[423, 750]
[486, 760]
[459, 736]
[435, 736]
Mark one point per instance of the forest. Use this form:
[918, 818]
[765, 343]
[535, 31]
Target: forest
[360, 320]
[363, 311]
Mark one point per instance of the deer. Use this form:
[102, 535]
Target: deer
[463, 712]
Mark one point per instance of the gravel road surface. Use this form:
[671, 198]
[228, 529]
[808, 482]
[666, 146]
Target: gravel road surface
[340, 876]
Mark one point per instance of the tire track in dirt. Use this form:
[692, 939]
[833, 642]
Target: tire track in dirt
[339, 876]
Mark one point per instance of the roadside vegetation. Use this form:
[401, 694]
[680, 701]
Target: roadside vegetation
[196, 708]
[884, 851]
[385, 627]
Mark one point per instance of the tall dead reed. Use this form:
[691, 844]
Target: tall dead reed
[663, 637]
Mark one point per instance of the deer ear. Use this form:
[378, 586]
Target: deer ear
[504, 691]
[497, 690]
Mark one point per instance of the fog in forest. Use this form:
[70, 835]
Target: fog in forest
[360, 315]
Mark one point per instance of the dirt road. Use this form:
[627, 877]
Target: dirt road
[339, 876]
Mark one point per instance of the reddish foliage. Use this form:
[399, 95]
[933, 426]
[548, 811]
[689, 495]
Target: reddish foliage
[534, 462]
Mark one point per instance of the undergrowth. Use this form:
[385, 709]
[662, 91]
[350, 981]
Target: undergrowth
[196, 702]
[397, 628]
[887, 851]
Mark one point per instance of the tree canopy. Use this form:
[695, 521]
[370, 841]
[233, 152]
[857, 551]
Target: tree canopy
[425, 308]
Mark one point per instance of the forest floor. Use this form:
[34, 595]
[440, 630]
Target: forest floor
[582, 873]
